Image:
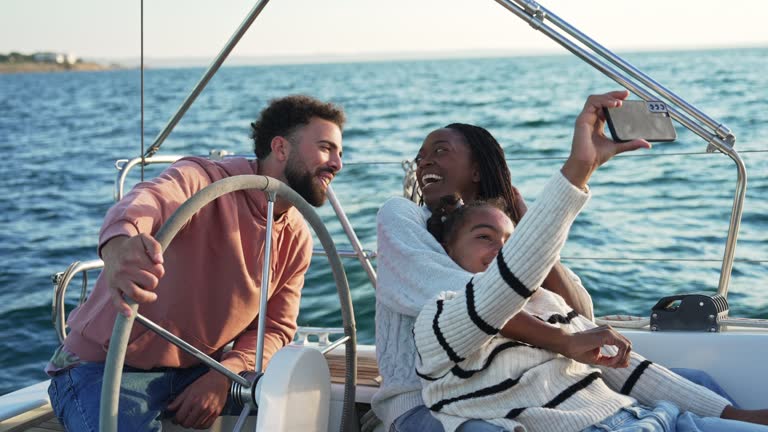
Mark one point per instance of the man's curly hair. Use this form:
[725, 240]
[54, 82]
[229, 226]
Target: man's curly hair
[285, 115]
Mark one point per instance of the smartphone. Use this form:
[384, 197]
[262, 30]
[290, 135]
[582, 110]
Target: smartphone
[648, 120]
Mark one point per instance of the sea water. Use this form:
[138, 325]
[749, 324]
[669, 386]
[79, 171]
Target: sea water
[655, 226]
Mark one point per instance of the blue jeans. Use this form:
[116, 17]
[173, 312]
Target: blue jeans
[419, 419]
[76, 394]
[703, 379]
[666, 417]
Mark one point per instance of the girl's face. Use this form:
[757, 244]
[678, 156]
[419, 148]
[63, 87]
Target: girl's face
[445, 167]
[475, 244]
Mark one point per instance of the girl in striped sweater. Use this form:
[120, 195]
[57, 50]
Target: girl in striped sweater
[472, 235]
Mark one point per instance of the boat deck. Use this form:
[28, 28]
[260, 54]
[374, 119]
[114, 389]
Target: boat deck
[51, 423]
[42, 419]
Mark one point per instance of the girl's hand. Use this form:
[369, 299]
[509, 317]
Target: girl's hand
[586, 347]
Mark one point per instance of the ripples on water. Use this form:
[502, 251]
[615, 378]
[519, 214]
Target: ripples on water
[60, 134]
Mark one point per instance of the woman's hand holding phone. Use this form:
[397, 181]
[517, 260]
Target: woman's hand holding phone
[590, 147]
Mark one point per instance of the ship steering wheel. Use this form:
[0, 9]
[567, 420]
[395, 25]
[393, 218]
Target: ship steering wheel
[110, 392]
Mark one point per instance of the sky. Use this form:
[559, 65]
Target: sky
[110, 29]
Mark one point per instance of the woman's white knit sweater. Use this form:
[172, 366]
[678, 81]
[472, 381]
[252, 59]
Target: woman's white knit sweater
[468, 371]
[407, 263]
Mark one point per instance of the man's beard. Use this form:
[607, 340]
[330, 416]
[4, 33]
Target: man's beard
[303, 182]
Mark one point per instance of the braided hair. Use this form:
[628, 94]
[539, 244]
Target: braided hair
[495, 179]
[450, 213]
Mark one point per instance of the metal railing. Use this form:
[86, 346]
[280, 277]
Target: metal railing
[61, 281]
[720, 138]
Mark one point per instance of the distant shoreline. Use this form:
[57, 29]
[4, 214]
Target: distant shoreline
[33, 67]
[371, 57]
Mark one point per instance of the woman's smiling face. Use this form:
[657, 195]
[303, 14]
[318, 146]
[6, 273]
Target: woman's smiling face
[445, 166]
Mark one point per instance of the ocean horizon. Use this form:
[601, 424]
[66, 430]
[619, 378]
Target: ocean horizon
[384, 56]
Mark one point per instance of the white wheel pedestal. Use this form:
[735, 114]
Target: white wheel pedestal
[295, 392]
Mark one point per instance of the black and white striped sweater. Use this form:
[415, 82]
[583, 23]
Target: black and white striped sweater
[468, 371]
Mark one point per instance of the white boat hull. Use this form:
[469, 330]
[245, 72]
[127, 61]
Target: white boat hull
[734, 358]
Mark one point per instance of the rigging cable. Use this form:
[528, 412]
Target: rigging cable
[563, 157]
[143, 161]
